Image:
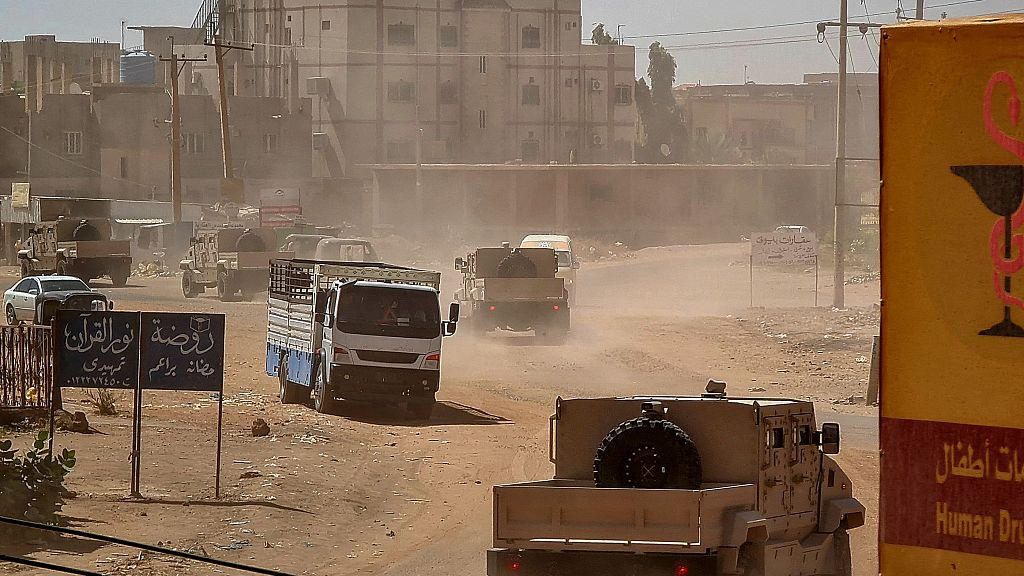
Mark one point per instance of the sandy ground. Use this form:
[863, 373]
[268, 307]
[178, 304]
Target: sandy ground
[365, 493]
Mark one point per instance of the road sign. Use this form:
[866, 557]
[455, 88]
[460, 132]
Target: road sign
[97, 349]
[182, 351]
[20, 195]
[952, 340]
[780, 248]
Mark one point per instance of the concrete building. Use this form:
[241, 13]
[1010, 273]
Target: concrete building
[487, 81]
[39, 65]
[781, 123]
[115, 143]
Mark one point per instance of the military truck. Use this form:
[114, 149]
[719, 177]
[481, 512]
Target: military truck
[514, 289]
[76, 247]
[707, 485]
[233, 259]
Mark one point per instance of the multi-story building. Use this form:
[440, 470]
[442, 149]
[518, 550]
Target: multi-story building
[115, 143]
[474, 81]
[39, 65]
[781, 123]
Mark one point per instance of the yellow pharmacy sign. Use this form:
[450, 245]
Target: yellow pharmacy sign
[952, 364]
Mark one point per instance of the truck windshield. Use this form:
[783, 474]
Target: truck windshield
[389, 312]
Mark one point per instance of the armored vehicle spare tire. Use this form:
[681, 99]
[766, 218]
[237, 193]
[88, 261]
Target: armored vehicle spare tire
[517, 265]
[647, 453]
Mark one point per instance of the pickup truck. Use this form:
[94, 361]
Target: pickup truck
[360, 332]
[681, 486]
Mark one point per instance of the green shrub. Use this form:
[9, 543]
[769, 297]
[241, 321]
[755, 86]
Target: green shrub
[32, 486]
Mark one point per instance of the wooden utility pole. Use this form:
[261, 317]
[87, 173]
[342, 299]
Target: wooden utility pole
[231, 189]
[176, 129]
[920, 9]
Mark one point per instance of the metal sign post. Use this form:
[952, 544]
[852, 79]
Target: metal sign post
[781, 248]
[184, 352]
[141, 351]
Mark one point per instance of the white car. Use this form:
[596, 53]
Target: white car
[35, 299]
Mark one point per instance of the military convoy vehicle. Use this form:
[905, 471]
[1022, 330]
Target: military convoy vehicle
[514, 289]
[681, 486]
[76, 247]
[232, 259]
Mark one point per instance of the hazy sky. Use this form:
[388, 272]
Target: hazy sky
[794, 52]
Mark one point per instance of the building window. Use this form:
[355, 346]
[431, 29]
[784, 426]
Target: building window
[483, 119]
[531, 151]
[531, 95]
[270, 143]
[123, 168]
[400, 151]
[194, 143]
[483, 64]
[401, 34]
[449, 36]
[531, 37]
[73, 143]
[447, 94]
[325, 25]
[624, 94]
[401, 91]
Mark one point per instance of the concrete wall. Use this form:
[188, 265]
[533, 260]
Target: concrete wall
[637, 204]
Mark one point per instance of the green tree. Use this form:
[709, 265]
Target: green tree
[664, 139]
[601, 37]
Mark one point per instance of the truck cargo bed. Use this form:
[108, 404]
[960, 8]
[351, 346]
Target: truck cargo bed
[574, 515]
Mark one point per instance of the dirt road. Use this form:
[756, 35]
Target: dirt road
[364, 493]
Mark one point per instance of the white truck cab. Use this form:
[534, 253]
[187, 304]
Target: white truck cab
[363, 333]
[568, 262]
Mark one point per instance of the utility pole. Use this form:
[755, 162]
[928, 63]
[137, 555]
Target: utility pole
[838, 230]
[839, 235]
[920, 9]
[176, 130]
[231, 190]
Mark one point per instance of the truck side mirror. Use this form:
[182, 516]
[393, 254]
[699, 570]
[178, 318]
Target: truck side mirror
[453, 313]
[829, 438]
[459, 264]
[575, 264]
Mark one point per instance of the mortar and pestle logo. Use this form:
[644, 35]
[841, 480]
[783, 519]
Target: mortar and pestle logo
[1001, 189]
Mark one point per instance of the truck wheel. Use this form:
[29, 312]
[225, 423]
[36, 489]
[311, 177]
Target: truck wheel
[290, 393]
[647, 453]
[225, 287]
[188, 289]
[12, 317]
[25, 270]
[119, 277]
[323, 400]
[843, 558]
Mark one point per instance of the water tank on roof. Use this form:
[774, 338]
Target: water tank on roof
[138, 67]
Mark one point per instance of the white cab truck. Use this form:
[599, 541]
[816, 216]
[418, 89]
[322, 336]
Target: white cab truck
[681, 486]
[360, 332]
[568, 262]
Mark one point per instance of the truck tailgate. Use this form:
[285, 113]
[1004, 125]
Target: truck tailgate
[515, 289]
[573, 515]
